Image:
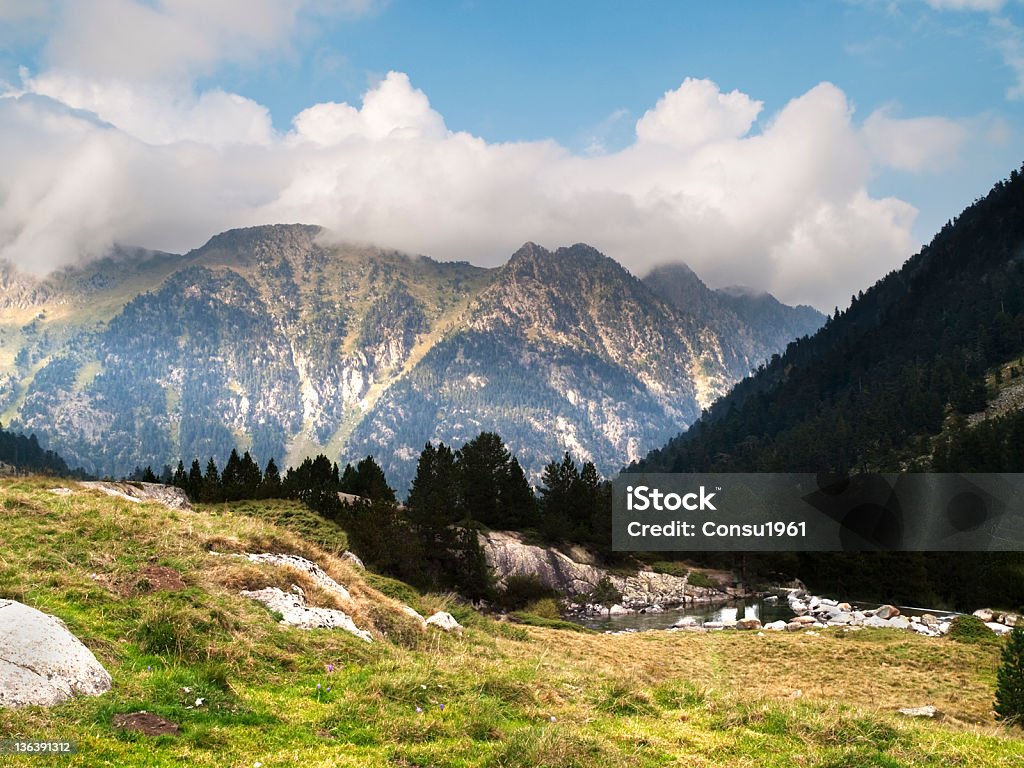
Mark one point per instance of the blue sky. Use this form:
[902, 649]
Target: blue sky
[933, 93]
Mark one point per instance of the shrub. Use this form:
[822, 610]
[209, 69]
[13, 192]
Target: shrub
[1010, 680]
[970, 629]
[520, 591]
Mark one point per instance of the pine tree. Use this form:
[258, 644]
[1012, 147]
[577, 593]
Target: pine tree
[195, 481]
[1010, 679]
[180, 479]
[212, 490]
[270, 488]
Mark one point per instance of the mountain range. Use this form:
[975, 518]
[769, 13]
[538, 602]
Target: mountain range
[272, 339]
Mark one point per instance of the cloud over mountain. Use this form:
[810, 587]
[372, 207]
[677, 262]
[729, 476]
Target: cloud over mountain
[98, 151]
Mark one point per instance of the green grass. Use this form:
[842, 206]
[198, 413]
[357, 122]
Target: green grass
[500, 694]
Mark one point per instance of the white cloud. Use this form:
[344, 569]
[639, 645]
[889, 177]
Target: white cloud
[915, 144]
[785, 208]
[990, 6]
[1011, 45]
[698, 112]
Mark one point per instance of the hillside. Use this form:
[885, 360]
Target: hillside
[272, 340]
[869, 389]
[244, 689]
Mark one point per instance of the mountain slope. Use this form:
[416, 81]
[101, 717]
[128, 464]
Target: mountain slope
[270, 340]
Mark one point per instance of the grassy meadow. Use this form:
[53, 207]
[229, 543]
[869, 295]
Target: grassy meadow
[500, 694]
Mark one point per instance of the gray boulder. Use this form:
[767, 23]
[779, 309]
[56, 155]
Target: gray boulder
[41, 662]
[444, 621]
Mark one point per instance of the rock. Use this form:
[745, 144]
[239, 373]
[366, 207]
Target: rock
[829, 602]
[798, 607]
[926, 711]
[772, 599]
[686, 621]
[794, 626]
[748, 624]
[898, 622]
[295, 613]
[984, 614]
[61, 491]
[41, 662]
[840, 618]
[803, 620]
[887, 611]
[1010, 619]
[999, 629]
[617, 610]
[776, 626]
[444, 621]
[311, 569]
[845, 607]
[813, 603]
[874, 621]
[714, 625]
[168, 495]
[729, 623]
[414, 614]
[353, 559]
[929, 620]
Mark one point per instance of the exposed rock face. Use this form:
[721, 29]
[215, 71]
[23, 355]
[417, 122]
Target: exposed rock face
[294, 612]
[41, 662]
[509, 556]
[168, 495]
[315, 572]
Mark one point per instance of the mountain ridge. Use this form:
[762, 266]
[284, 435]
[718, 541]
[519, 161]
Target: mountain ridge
[276, 340]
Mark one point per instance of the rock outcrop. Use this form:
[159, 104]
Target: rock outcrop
[41, 662]
[444, 621]
[168, 495]
[509, 555]
[294, 612]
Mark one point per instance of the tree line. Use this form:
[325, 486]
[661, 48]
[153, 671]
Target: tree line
[430, 541]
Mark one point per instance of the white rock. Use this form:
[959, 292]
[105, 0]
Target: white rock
[353, 558]
[927, 711]
[445, 621]
[295, 613]
[686, 621]
[413, 613]
[984, 614]
[41, 662]
[308, 567]
[999, 629]
[776, 626]
[714, 625]
[898, 622]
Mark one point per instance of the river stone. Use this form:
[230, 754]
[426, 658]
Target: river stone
[999, 629]
[840, 618]
[41, 662]
[874, 621]
[444, 621]
[929, 620]
[714, 625]
[984, 614]
[887, 611]
[748, 624]
[686, 621]
[898, 622]
[776, 626]
[794, 626]
[803, 620]
[1010, 619]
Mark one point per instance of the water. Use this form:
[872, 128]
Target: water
[764, 610]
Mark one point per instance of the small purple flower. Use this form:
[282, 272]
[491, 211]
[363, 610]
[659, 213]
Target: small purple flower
[419, 709]
[330, 668]
[442, 707]
[149, 668]
[318, 686]
[328, 689]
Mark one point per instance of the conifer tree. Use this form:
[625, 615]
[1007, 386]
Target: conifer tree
[1010, 679]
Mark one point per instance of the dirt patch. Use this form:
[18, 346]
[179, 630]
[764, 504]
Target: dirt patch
[157, 578]
[146, 724]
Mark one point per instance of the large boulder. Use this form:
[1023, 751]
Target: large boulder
[444, 621]
[41, 662]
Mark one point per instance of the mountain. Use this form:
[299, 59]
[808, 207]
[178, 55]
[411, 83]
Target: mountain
[878, 381]
[272, 340]
[894, 383]
[761, 320]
